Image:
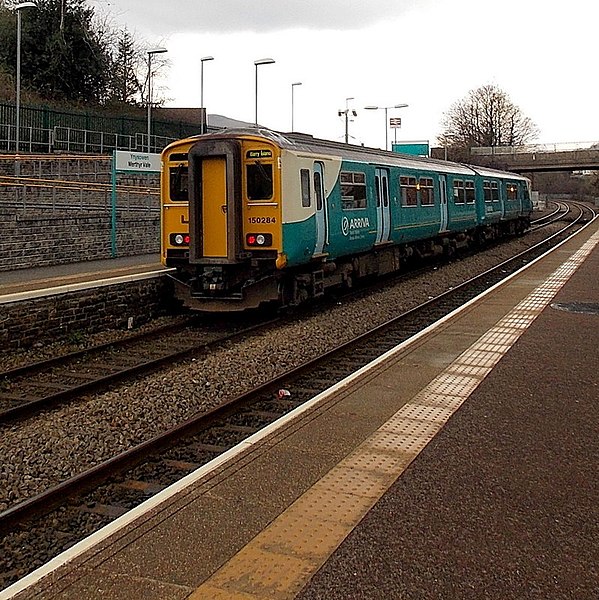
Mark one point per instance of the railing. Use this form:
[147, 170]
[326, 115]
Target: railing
[67, 139]
[532, 148]
[65, 184]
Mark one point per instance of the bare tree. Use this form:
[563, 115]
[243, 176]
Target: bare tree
[486, 117]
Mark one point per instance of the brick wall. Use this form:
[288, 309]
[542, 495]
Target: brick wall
[57, 209]
[55, 318]
[46, 239]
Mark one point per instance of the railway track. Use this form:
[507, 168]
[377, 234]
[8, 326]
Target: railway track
[26, 390]
[39, 528]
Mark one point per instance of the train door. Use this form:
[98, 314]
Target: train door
[322, 221]
[383, 210]
[214, 207]
[443, 197]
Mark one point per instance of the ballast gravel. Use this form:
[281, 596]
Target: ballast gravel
[46, 449]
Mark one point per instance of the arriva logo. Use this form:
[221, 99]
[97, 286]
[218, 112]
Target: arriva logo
[348, 224]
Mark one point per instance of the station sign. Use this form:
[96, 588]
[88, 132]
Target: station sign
[141, 162]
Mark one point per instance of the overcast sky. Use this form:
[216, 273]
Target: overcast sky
[424, 53]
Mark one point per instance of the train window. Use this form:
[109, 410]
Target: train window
[353, 190]
[487, 190]
[459, 194]
[178, 183]
[495, 191]
[427, 191]
[305, 185]
[409, 191]
[259, 181]
[318, 189]
[512, 191]
[470, 195]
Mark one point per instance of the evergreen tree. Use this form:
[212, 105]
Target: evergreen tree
[62, 55]
[127, 61]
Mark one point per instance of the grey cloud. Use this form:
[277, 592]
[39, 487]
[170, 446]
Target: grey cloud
[225, 16]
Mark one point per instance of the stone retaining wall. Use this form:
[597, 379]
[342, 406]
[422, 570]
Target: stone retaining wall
[47, 239]
[64, 316]
[58, 209]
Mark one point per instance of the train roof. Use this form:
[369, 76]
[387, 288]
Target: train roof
[302, 142]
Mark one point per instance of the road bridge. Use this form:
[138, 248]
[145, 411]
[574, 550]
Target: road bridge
[539, 158]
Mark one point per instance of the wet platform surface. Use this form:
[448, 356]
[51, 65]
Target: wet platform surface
[40, 281]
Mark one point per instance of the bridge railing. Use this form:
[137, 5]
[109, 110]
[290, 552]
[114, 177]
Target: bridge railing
[532, 148]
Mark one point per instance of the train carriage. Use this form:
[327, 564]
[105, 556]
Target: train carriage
[253, 216]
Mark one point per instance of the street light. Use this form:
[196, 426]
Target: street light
[203, 117]
[292, 103]
[386, 108]
[150, 54]
[261, 61]
[346, 113]
[202, 61]
[18, 8]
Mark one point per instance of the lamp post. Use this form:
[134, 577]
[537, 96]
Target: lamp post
[257, 63]
[202, 61]
[19, 8]
[203, 117]
[292, 101]
[386, 108]
[346, 113]
[150, 54]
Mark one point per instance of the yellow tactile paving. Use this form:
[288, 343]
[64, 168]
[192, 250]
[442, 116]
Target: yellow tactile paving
[280, 560]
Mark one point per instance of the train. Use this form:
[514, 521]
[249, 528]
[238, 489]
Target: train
[254, 216]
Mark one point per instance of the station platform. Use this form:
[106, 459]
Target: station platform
[25, 284]
[460, 465]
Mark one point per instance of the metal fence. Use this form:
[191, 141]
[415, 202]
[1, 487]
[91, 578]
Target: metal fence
[66, 139]
[532, 148]
[46, 130]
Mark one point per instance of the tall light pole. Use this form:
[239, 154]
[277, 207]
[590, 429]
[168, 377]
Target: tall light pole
[150, 54]
[261, 61]
[203, 117]
[19, 8]
[386, 108]
[202, 61]
[292, 101]
[346, 113]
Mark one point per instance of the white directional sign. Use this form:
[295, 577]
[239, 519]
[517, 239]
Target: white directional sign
[137, 161]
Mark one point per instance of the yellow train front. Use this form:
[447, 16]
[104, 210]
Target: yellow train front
[221, 220]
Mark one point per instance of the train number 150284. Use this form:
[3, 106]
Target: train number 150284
[262, 220]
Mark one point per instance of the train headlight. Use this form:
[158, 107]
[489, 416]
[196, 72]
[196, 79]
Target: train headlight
[178, 239]
[262, 240]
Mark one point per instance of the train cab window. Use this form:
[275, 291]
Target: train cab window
[259, 181]
[178, 182]
[353, 190]
[494, 191]
[469, 189]
[459, 193]
[305, 186]
[427, 191]
[409, 191]
[487, 190]
[511, 191]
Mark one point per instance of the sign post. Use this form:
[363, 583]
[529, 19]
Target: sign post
[136, 162]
